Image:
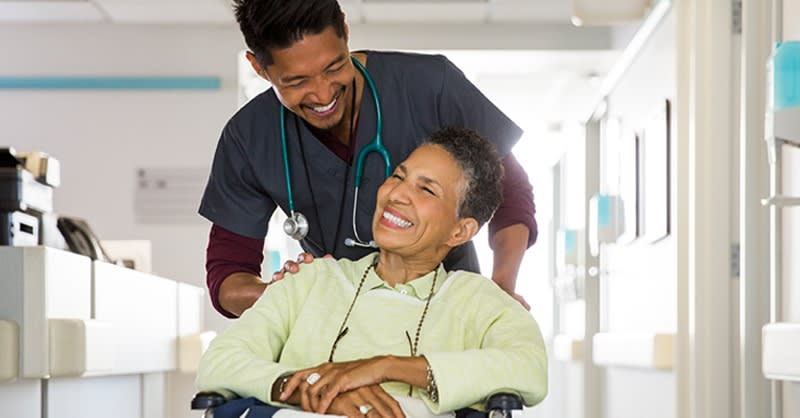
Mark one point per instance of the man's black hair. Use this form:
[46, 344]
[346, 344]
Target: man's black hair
[482, 169]
[269, 24]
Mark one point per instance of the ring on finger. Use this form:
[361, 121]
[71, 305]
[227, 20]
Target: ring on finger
[364, 409]
[313, 378]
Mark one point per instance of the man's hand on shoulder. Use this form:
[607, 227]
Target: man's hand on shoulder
[240, 291]
[292, 266]
[521, 300]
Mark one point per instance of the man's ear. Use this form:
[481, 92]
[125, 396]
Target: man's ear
[251, 57]
[465, 229]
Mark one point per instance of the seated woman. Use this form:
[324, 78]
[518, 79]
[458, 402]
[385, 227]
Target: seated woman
[352, 337]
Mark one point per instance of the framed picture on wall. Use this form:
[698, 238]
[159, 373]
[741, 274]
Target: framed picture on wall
[654, 216]
[629, 186]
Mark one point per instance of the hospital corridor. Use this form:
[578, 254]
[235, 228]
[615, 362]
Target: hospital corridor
[400, 208]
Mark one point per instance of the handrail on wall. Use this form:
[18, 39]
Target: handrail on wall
[781, 201]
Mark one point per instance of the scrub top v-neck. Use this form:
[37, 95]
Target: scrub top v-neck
[330, 182]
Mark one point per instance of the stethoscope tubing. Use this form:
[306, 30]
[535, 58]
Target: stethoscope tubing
[376, 145]
[286, 172]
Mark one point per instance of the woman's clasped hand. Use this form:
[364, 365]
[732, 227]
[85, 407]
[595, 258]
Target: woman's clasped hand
[348, 388]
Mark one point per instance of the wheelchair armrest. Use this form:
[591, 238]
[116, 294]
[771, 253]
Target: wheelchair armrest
[205, 400]
[504, 402]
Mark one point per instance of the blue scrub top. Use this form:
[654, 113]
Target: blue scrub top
[419, 94]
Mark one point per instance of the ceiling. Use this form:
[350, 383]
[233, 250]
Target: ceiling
[218, 11]
[555, 65]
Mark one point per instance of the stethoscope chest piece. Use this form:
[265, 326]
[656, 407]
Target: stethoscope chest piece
[296, 226]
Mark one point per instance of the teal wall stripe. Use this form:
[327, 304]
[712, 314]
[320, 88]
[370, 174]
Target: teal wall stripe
[109, 83]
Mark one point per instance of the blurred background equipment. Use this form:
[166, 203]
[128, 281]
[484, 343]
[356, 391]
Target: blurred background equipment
[25, 197]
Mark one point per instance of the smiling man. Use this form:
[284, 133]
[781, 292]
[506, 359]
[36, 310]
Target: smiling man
[295, 145]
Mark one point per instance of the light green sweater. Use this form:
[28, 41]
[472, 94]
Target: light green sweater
[477, 339]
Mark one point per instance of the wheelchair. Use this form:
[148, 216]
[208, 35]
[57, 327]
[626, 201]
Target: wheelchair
[499, 405]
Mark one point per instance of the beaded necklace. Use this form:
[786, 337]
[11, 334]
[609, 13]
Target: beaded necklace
[343, 328]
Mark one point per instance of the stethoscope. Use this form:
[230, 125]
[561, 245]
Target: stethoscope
[296, 225]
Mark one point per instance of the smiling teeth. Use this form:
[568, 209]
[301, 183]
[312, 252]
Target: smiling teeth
[396, 220]
[324, 109]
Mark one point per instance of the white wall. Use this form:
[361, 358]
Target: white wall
[641, 285]
[639, 277]
[791, 19]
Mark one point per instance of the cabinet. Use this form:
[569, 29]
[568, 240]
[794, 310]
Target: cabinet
[73, 330]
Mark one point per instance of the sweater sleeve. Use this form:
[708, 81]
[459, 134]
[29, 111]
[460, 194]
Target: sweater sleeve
[511, 357]
[244, 359]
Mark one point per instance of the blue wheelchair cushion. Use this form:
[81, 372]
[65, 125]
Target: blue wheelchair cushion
[235, 408]
[257, 409]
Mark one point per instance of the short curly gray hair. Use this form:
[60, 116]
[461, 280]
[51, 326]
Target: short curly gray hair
[483, 171]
